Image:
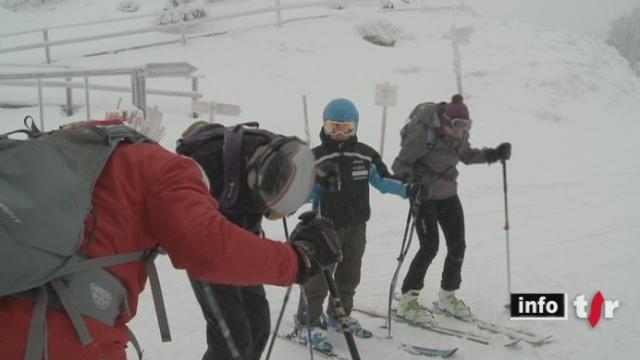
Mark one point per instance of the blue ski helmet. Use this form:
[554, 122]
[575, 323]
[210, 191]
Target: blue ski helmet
[340, 110]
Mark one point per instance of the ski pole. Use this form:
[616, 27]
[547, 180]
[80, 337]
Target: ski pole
[212, 304]
[275, 331]
[404, 249]
[284, 302]
[343, 319]
[307, 320]
[506, 228]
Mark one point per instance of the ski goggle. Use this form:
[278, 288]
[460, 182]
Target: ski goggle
[339, 128]
[461, 124]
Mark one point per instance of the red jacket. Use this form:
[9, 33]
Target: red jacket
[148, 197]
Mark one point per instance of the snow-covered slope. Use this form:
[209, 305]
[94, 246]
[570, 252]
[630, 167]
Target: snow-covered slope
[567, 103]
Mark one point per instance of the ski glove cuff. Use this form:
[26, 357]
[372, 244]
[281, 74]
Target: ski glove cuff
[317, 245]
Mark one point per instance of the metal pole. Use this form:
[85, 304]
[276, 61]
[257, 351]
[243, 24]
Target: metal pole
[506, 227]
[457, 68]
[194, 88]
[275, 331]
[40, 106]
[384, 126]
[183, 29]
[143, 83]
[278, 13]
[45, 35]
[86, 97]
[69, 93]
[307, 133]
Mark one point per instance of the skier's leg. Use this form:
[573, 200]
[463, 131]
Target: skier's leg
[451, 219]
[257, 307]
[347, 274]
[427, 230]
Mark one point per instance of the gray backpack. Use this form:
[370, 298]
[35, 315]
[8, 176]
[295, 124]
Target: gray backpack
[417, 137]
[46, 186]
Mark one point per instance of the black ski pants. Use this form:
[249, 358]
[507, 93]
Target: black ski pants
[245, 310]
[449, 215]
[346, 274]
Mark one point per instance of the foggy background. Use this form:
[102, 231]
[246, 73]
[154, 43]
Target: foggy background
[591, 17]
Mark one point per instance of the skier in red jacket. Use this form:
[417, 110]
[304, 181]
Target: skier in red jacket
[147, 197]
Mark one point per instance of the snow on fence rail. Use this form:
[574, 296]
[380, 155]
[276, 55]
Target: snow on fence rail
[138, 76]
[47, 43]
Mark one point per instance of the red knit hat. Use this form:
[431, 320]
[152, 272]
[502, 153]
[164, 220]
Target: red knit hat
[456, 109]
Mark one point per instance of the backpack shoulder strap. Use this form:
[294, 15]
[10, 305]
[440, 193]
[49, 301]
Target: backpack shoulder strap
[232, 163]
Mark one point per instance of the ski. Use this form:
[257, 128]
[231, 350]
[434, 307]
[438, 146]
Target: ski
[319, 352]
[419, 350]
[513, 333]
[467, 335]
[412, 349]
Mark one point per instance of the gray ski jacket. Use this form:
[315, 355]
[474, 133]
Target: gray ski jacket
[431, 160]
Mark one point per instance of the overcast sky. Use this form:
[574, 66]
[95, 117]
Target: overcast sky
[584, 16]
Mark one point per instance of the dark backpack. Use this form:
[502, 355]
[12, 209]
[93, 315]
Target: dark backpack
[223, 153]
[417, 137]
[46, 186]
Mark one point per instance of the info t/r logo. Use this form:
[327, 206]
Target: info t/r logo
[553, 306]
[538, 306]
[595, 311]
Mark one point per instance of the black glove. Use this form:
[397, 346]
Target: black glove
[504, 151]
[317, 244]
[501, 152]
[413, 191]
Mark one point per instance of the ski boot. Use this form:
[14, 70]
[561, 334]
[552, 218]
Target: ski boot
[354, 325]
[319, 339]
[450, 304]
[410, 310]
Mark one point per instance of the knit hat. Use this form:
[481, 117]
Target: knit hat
[456, 109]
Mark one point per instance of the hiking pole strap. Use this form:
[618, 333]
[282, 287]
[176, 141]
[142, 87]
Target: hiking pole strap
[36, 340]
[158, 300]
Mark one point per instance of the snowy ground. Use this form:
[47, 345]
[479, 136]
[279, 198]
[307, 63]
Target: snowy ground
[568, 103]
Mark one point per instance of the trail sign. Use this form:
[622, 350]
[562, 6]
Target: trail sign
[386, 94]
[178, 69]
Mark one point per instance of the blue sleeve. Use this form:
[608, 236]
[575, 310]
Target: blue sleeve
[385, 184]
[314, 197]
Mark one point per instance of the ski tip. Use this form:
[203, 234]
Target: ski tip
[450, 354]
[513, 343]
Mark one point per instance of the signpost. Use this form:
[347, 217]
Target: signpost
[458, 36]
[386, 95]
[213, 108]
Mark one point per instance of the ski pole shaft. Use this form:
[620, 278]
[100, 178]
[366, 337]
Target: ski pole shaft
[275, 330]
[342, 315]
[506, 226]
[394, 279]
[404, 249]
[213, 306]
[307, 320]
[284, 302]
